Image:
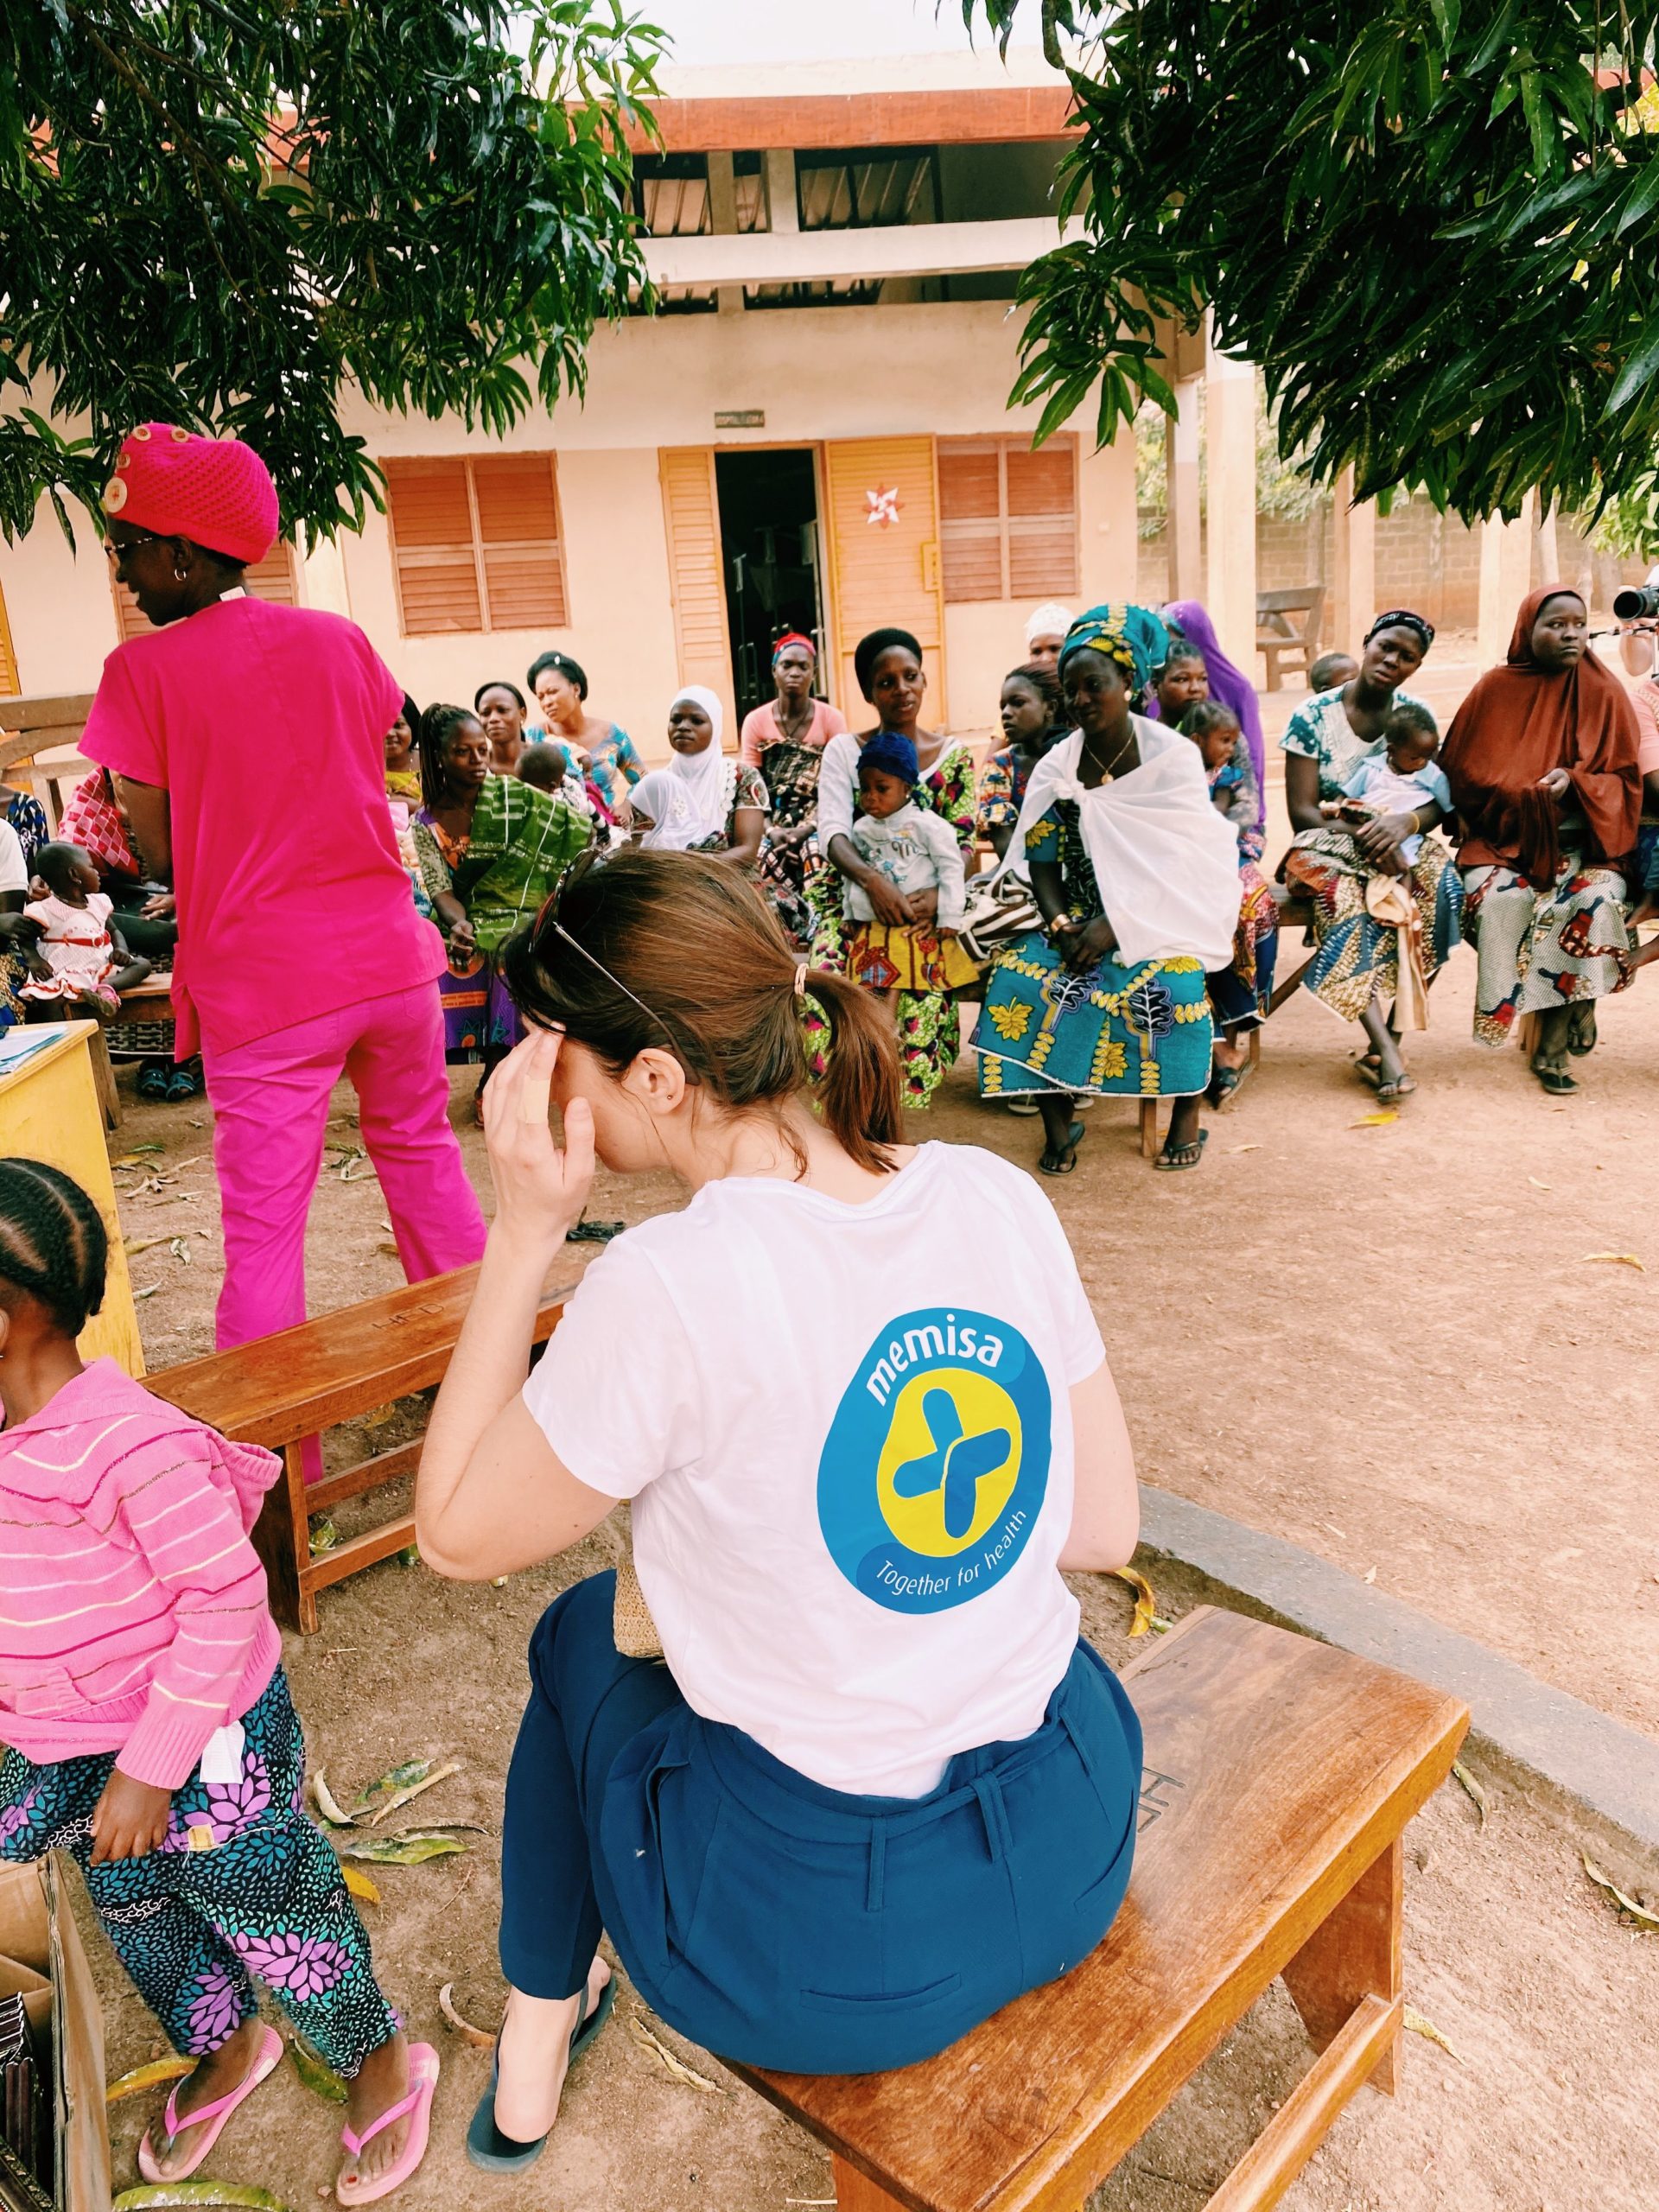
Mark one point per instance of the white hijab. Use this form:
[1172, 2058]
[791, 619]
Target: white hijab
[1165, 860]
[689, 801]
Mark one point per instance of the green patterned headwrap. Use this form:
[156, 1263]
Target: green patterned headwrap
[1132, 636]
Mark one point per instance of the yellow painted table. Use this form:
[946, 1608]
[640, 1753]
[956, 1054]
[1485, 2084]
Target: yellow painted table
[49, 1111]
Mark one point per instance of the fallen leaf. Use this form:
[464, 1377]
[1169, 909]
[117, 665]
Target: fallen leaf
[161, 2196]
[324, 1535]
[132, 1246]
[360, 1885]
[331, 1812]
[1537, 1186]
[403, 1783]
[1145, 1605]
[1370, 1575]
[410, 1556]
[1243, 1147]
[1615, 1260]
[1476, 1794]
[320, 2079]
[1420, 2026]
[148, 2077]
[677, 2067]
[381, 1416]
[149, 1290]
[386, 1245]
[1628, 1906]
[462, 2028]
[413, 1849]
[180, 1250]
[150, 1148]
[1373, 1120]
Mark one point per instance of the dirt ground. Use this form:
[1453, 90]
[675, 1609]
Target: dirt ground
[1387, 1343]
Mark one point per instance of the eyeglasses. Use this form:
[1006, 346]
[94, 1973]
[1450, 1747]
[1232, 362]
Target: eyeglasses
[118, 553]
[576, 872]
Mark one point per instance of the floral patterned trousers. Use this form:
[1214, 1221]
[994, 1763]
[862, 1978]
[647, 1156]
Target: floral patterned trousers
[243, 1885]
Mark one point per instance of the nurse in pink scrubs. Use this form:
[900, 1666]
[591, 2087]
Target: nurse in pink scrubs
[249, 743]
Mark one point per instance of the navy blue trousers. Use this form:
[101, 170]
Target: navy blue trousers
[781, 1923]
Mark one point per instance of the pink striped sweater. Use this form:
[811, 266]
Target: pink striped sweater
[133, 1616]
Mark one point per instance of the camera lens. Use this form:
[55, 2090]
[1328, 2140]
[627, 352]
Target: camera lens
[1638, 602]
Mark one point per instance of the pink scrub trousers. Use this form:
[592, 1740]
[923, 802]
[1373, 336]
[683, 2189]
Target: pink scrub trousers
[270, 1113]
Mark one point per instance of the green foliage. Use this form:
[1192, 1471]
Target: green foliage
[1432, 223]
[231, 212]
[1628, 526]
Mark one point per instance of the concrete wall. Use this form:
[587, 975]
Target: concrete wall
[59, 606]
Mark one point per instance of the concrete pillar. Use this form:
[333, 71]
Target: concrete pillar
[1506, 579]
[782, 204]
[1550, 555]
[1183, 505]
[1108, 535]
[1353, 596]
[322, 574]
[723, 221]
[1229, 539]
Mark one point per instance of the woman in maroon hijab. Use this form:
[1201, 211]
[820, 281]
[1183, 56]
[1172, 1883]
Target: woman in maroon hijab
[1542, 762]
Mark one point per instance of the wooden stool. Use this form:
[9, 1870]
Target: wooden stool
[280, 1389]
[1280, 1774]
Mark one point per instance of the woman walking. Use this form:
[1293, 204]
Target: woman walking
[1541, 759]
[880, 1786]
[300, 956]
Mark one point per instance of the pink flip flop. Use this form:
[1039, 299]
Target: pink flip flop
[423, 2080]
[209, 2121]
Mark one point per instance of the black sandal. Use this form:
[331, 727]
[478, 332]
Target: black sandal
[1063, 1161]
[1184, 1156]
[1554, 1079]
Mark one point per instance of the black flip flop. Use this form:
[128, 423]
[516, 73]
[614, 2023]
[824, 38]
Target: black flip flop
[1556, 1081]
[1170, 1166]
[593, 1232]
[1066, 1159]
[487, 2146]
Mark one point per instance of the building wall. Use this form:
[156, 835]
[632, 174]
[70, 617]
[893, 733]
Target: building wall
[59, 607]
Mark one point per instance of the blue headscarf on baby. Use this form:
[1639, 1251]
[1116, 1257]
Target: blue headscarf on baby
[893, 754]
[1132, 636]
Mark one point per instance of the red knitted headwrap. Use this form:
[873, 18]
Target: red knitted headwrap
[216, 491]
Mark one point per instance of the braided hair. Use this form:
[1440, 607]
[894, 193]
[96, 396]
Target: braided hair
[436, 725]
[53, 1246]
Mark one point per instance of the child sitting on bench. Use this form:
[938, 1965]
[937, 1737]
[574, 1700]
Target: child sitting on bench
[81, 964]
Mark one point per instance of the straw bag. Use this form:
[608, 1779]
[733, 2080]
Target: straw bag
[633, 1629]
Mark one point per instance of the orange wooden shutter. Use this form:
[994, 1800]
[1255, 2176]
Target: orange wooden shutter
[9, 686]
[696, 572]
[885, 572]
[273, 578]
[518, 508]
[430, 509]
[970, 518]
[1042, 506]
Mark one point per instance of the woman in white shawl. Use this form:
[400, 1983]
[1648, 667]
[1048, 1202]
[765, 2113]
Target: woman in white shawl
[704, 801]
[1136, 874]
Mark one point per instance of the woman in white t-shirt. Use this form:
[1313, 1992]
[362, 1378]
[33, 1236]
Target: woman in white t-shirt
[858, 1398]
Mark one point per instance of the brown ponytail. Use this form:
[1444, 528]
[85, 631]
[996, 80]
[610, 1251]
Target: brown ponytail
[653, 949]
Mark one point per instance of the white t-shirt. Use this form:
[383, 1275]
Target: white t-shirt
[846, 1432]
[14, 869]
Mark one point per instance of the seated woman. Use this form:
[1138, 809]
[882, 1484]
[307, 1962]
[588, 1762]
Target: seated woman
[491, 848]
[888, 666]
[701, 802]
[1357, 964]
[1045, 629]
[879, 1787]
[404, 756]
[1032, 715]
[1136, 877]
[1541, 759]
[501, 710]
[1241, 995]
[144, 911]
[1182, 683]
[784, 743]
[600, 750]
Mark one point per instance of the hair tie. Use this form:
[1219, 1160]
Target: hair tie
[800, 981]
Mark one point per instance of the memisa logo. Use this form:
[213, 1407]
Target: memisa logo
[933, 1340]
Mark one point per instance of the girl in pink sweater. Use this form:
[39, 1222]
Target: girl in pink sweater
[145, 1724]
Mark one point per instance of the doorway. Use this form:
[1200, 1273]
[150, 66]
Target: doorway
[768, 499]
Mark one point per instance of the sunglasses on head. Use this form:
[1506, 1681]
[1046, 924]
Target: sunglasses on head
[548, 917]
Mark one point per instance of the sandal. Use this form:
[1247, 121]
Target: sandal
[1581, 1030]
[417, 2108]
[1063, 1161]
[595, 1232]
[1225, 1083]
[153, 1080]
[487, 2146]
[1554, 1079]
[1184, 1155]
[208, 2119]
[1389, 1093]
[182, 1084]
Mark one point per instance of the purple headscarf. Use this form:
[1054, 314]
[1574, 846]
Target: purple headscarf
[1227, 684]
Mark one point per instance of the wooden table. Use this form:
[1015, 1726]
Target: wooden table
[50, 1110]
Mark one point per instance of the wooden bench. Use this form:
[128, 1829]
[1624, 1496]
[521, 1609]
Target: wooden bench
[43, 736]
[1277, 638]
[280, 1390]
[1280, 1774]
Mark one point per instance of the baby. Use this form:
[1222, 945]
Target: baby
[1214, 729]
[81, 963]
[915, 850]
[1399, 779]
[544, 766]
[1332, 670]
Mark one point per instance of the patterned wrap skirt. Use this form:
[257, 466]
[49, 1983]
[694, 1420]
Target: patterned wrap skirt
[1359, 956]
[1538, 950]
[1241, 994]
[1113, 1032]
[908, 957]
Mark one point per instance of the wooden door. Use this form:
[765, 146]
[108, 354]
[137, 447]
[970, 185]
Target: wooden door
[881, 498]
[696, 571]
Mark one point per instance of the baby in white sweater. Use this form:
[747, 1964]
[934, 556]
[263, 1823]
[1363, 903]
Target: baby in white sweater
[914, 852]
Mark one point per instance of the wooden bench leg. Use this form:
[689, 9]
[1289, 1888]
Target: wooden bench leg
[281, 1536]
[109, 1098]
[1353, 1954]
[856, 2192]
[1363, 2043]
[1149, 1129]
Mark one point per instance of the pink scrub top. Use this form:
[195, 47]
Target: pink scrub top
[266, 725]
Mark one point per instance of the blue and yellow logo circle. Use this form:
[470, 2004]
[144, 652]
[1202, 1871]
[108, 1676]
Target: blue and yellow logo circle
[935, 1465]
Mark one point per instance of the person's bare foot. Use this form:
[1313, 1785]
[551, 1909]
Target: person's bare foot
[382, 2080]
[534, 2054]
[220, 2074]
